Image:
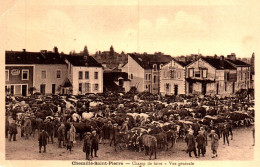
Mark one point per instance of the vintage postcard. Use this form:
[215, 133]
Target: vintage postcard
[129, 83]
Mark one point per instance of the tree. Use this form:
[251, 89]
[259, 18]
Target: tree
[111, 52]
[85, 51]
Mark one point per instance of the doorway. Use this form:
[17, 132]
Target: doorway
[53, 88]
[175, 89]
[24, 90]
[203, 88]
[42, 89]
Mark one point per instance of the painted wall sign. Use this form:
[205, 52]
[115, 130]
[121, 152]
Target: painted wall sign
[15, 72]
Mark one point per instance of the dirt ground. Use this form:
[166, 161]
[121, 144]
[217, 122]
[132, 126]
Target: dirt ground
[240, 149]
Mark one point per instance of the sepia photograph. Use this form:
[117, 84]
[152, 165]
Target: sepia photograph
[96, 82]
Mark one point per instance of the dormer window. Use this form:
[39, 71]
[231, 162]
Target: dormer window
[154, 67]
[161, 65]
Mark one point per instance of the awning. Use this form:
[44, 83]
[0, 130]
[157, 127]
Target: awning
[202, 80]
[66, 83]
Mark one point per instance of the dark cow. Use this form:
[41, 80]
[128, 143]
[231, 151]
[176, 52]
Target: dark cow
[150, 144]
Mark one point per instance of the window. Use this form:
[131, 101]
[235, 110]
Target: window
[191, 72]
[96, 75]
[150, 76]
[80, 74]
[154, 79]
[204, 73]
[161, 65]
[43, 76]
[131, 76]
[58, 74]
[179, 75]
[96, 87]
[197, 74]
[6, 75]
[172, 74]
[167, 87]
[154, 67]
[228, 76]
[80, 87]
[225, 86]
[25, 74]
[87, 87]
[86, 75]
[146, 76]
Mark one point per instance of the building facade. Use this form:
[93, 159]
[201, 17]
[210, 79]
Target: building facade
[211, 76]
[30, 72]
[172, 78]
[85, 75]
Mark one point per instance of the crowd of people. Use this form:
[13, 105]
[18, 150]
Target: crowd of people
[133, 121]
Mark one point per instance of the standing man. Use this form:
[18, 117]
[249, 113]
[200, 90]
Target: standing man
[201, 143]
[72, 134]
[94, 143]
[27, 127]
[87, 145]
[61, 134]
[12, 131]
[214, 143]
[43, 140]
[190, 139]
[225, 134]
[6, 126]
[115, 132]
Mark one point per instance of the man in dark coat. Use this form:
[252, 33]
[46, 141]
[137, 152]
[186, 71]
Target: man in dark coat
[6, 126]
[115, 132]
[225, 134]
[214, 143]
[49, 128]
[12, 131]
[61, 134]
[87, 145]
[190, 139]
[94, 143]
[43, 140]
[201, 143]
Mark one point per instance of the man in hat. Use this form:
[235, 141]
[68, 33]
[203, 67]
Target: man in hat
[94, 143]
[72, 134]
[115, 132]
[61, 134]
[225, 134]
[190, 139]
[201, 143]
[43, 137]
[12, 130]
[214, 143]
[27, 127]
[205, 134]
[87, 145]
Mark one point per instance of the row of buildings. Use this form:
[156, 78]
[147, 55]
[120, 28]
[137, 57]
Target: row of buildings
[51, 72]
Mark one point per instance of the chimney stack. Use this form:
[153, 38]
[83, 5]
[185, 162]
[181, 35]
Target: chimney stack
[232, 56]
[222, 62]
[24, 50]
[55, 49]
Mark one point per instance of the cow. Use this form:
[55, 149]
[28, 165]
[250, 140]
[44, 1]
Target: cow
[150, 144]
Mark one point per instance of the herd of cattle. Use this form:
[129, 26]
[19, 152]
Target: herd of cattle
[143, 121]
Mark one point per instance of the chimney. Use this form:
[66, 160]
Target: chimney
[232, 56]
[24, 50]
[55, 49]
[222, 61]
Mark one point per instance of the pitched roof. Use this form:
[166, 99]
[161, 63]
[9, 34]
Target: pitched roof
[217, 63]
[147, 60]
[238, 62]
[24, 57]
[183, 64]
[80, 61]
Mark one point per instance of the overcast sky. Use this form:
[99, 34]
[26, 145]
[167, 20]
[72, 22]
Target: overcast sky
[177, 27]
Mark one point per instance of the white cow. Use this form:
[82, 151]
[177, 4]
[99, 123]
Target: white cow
[86, 115]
